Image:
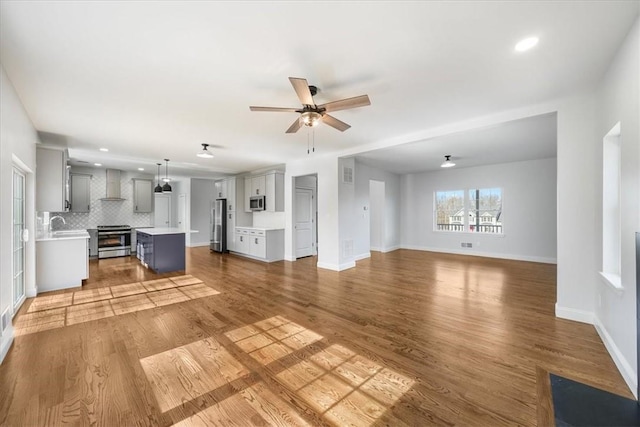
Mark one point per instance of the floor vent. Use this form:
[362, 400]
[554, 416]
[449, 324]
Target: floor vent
[6, 318]
[466, 245]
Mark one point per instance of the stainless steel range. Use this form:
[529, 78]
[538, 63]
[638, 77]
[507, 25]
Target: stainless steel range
[114, 241]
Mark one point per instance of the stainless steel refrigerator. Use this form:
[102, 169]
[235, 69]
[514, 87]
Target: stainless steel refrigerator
[219, 226]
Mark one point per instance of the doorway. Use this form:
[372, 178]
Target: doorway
[305, 216]
[162, 211]
[376, 224]
[18, 239]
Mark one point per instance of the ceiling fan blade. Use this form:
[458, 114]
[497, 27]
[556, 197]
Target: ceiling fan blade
[275, 109]
[302, 89]
[295, 126]
[343, 104]
[335, 123]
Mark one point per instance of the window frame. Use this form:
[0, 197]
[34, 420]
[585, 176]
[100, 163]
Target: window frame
[466, 212]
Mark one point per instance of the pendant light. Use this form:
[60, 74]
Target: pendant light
[447, 162]
[205, 154]
[166, 188]
[158, 188]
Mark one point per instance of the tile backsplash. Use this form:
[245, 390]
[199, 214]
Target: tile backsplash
[102, 212]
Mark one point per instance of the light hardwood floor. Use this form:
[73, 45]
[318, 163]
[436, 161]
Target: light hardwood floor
[405, 338]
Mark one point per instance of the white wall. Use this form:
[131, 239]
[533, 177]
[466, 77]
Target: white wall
[17, 144]
[202, 196]
[392, 209]
[347, 219]
[181, 185]
[326, 170]
[529, 210]
[617, 101]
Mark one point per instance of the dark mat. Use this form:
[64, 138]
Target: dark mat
[577, 404]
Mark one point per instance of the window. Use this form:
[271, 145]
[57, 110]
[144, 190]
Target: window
[611, 185]
[449, 207]
[475, 211]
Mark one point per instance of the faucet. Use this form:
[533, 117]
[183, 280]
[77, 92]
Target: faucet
[56, 217]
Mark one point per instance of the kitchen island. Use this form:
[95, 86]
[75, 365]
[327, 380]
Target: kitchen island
[62, 259]
[162, 249]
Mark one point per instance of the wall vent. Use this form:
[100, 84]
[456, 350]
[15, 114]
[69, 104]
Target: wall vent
[466, 245]
[6, 318]
[347, 175]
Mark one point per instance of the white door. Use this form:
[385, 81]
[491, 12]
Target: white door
[376, 206]
[304, 222]
[182, 211]
[162, 211]
[18, 251]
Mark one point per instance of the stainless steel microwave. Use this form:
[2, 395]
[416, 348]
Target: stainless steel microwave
[256, 203]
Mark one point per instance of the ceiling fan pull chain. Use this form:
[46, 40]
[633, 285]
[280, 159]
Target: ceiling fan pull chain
[307, 141]
[314, 140]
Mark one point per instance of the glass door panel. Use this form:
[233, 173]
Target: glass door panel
[17, 240]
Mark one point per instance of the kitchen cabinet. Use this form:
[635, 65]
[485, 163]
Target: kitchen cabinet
[52, 180]
[93, 243]
[142, 195]
[231, 230]
[62, 261]
[220, 189]
[226, 189]
[270, 185]
[161, 249]
[80, 190]
[261, 244]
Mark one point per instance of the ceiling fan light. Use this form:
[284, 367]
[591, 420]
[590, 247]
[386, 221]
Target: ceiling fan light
[447, 162]
[311, 118]
[205, 154]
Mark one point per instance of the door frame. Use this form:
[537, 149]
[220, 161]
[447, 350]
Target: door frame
[297, 183]
[161, 196]
[15, 304]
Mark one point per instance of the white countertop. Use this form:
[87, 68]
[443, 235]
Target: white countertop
[63, 235]
[259, 228]
[164, 230]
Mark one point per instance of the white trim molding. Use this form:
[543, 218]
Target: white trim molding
[336, 267]
[391, 249]
[6, 340]
[574, 314]
[362, 256]
[623, 365]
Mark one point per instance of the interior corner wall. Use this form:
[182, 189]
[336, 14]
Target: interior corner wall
[618, 100]
[181, 185]
[18, 138]
[362, 212]
[347, 219]
[529, 210]
[202, 196]
[326, 169]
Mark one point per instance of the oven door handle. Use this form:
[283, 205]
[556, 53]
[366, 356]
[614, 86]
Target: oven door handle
[113, 233]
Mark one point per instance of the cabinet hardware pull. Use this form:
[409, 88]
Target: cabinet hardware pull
[256, 240]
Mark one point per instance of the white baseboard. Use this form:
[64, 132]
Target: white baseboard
[375, 249]
[391, 249]
[290, 258]
[574, 314]
[5, 342]
[623, 365]
[336, 267]
[544, 260]
[362, 256]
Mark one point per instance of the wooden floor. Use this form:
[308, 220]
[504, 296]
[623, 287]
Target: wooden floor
[405, 338]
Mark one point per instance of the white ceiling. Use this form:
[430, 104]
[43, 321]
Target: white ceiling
[518, 140]
[151, 80]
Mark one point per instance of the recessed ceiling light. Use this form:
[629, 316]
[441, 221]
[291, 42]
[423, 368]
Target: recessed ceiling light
[97, 164]
[104, 149]
[526, 44]
[140, 169]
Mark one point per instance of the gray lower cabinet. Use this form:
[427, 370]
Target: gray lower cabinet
[161, 253]
[93, 242]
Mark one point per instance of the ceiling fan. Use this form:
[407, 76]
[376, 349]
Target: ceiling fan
[312, 114]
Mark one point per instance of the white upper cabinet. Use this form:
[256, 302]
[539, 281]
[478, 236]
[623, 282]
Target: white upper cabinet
[142, 195]
[270, 185]
[80, 193]
[220, 189]
[52, 185]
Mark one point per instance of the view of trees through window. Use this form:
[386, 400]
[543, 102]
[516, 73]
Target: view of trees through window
[476, 210]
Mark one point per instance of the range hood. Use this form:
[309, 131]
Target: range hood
[113, 185]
